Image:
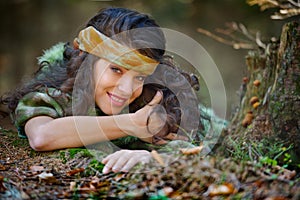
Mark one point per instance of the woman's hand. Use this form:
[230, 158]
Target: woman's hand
[148, 123]
[124, 160]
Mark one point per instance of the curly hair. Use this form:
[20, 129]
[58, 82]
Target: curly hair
[179, 100]
[77, 65]
[115, 23]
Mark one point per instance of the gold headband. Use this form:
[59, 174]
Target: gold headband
[98, 44]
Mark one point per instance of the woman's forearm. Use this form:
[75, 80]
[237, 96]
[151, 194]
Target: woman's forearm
[46, 133]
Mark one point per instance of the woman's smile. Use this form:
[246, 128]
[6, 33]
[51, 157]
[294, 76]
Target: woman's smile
[116, 87]
[117, 100]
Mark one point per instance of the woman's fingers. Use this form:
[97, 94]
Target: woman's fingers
[156, 99]
[132, 162]
[121, 162]
[158, 118]
[148, 121]
[124, 160]
[137, 156]
[111, 160]
[109, 163]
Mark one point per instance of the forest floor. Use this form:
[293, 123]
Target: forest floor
[67, 174]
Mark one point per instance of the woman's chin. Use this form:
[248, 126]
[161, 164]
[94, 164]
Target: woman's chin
[112, 111]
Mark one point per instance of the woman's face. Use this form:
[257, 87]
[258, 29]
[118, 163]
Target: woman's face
[115, 86]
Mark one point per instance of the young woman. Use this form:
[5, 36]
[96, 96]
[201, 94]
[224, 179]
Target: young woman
[79, 94]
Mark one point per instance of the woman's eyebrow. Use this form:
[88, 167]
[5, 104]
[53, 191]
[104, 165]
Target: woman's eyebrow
[142, 74]
[114, 65]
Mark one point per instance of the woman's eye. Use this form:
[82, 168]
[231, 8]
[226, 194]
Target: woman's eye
[116, 69]
[141, 78]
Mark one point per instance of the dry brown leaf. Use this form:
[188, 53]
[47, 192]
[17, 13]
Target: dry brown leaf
[276, 198]
[24, 195]
[74, 171]
[47, 177]
[224, 189]
[2, 168]
[119, 177]
[287, 174]
[36, 168]
[2, 186]
[168, 191]
[72, 185]
[157, 157]
[191, 151]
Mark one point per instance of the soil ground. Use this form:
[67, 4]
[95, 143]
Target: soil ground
[26, 174]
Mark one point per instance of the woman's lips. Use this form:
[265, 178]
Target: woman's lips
[117, 100]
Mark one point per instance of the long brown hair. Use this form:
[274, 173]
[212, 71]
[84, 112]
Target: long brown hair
[78, 65]
[179, 101]
[77, 68]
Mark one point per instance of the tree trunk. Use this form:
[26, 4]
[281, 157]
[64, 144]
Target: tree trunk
[270, 104]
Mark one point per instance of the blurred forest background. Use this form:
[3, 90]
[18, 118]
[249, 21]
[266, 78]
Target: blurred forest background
[30, 26]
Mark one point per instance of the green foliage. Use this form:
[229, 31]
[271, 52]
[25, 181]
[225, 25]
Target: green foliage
[62, 156]
[95, 166]
[237, 150]
[268, 161]
[84, 152]
[159, 197]
[68, 154]
[266, 151]
[4, 131]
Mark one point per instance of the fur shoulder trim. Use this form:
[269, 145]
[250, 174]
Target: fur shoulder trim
[53, 54]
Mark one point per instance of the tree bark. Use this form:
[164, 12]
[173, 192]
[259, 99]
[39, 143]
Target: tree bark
[270, 101]
[284, 107]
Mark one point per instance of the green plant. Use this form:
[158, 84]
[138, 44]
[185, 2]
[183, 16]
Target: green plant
[237, 149]
[84, 152]
[268, 161]
[93, 167]
[68, 154]
[267, 151]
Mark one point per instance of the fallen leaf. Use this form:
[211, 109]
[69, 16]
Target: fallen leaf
[276, 198]
[287, 174]
[224, 189]
[74, 171]
[2, 168]
[72, 185]
[24, 195]
[47, 177]
[191, 151]
[157, 157]
[168, 191]
[35, 168]
[2, 186]
[119, 177]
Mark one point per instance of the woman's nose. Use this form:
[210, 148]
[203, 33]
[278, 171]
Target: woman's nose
[125, 85]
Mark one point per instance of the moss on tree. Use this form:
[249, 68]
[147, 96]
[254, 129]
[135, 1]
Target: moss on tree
[270, 105]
